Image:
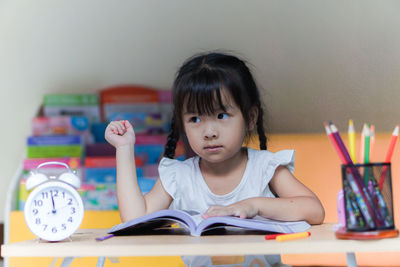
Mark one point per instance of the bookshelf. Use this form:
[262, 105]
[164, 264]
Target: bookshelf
[101, 214]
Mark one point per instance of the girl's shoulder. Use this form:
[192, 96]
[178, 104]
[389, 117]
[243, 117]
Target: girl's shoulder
[173, 168]
[177, 174]
[273, 159]
[175, 163]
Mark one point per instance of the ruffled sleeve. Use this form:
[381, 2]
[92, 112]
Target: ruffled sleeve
[284, 158]
[281, 158]
[168, 175]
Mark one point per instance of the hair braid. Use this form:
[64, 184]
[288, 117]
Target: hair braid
[260, 129]
[172, 139]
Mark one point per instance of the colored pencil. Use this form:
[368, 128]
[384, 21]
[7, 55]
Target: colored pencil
[362, 143]
[335, 145]
[352, 141]
[339, 141]
[389, 155]
[366, 153]
[367, 143]
[102, 238]
[294, 236]
[372, 143]
[392, 144]
[364, 200]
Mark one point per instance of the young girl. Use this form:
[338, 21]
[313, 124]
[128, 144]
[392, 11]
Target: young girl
[217, 109]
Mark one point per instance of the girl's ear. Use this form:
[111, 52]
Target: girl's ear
[253, 115]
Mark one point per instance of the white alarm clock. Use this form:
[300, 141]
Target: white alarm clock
[54, 209]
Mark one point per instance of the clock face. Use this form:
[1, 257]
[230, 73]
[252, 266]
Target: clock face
[53, 211]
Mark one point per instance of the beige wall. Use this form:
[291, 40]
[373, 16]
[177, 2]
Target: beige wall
[316, 60]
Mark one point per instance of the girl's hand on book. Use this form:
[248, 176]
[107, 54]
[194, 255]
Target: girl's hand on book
[243, 209]
[120, 133]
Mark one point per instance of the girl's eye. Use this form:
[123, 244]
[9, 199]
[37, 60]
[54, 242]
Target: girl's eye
[194, 119]
[222, 116]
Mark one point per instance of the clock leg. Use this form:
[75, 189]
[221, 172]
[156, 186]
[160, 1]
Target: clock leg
[66, 261]
[53, 262]
[100, 261]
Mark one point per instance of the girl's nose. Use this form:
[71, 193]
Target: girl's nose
[210, 132]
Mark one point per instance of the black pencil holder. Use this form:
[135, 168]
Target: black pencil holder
[368, 199]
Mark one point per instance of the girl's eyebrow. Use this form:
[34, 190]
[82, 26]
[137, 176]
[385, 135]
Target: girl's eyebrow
[226, 108]
[188, 113]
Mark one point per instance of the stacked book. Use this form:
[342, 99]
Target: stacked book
[70, 129]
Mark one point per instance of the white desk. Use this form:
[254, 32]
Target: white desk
[83, 244]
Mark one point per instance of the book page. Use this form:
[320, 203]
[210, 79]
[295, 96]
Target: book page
[196, 216]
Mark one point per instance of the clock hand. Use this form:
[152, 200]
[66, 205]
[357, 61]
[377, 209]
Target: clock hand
[63, 207]
[52, 201]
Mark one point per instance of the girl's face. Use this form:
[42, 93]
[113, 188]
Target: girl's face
[217, 137]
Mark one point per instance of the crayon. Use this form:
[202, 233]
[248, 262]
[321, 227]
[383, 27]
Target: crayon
[273, 236]
[294, 236]
[102, 238]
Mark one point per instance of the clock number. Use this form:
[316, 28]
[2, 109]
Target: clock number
[55, 193]
[70, 219]
[63, 226]
[54, 230]
[63, 194]
[45, 195]
[44, 227]
[35, 211]
[38, 202]
[69, 201]
[37, 220]
[72, 210]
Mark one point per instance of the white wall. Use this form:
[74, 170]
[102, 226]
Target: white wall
[316, 60]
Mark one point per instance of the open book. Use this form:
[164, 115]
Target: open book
[192, 223]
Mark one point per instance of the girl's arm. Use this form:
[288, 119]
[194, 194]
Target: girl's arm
[295, 202]
[131, 202]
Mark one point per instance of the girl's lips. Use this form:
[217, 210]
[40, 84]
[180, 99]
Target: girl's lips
[212, 148]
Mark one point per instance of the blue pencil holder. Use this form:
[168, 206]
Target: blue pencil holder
[367, 195]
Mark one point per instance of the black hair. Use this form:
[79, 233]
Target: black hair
[198, 86]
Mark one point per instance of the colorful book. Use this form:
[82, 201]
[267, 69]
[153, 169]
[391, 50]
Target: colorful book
[128, 98]
[59, 151]
[145, 139]
[97, 129]
[191, 222]
[99, 150]
[129, 93]
[106, 161]
[70, 100]
[60, 125]
[150, 154]
[100, 175]
[72, 105]
[144, 123]
[99, 196]
[106, 175]
[112, 110]
[100, 162]
[53, 140]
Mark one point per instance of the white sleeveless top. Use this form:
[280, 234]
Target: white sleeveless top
[184, 182]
